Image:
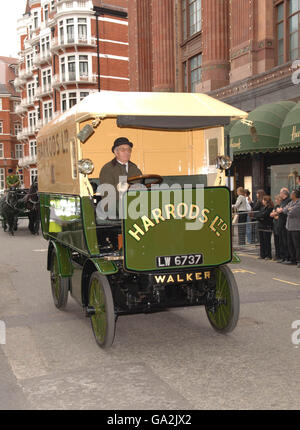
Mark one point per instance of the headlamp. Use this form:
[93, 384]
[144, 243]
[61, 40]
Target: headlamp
[223, 162]
[85, 166]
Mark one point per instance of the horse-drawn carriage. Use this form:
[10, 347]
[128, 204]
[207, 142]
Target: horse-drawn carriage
[18, 204]
[170, 242]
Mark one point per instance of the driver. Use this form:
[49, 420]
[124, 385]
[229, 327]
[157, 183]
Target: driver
[114, 172]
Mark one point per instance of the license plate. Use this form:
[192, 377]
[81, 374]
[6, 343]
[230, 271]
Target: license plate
[179, 260]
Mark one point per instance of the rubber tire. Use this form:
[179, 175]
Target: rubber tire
[226, 280]
[61, 289]
[99, 290]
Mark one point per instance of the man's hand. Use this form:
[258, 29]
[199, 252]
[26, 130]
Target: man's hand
[122, 187]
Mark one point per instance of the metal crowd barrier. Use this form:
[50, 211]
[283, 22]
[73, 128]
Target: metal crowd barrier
[245, 234]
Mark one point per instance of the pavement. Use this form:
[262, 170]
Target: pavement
[171, 360]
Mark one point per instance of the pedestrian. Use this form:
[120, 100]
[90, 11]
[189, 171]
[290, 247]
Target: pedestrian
[257, 207]
[292, 210]
[265, 225]
[275, 216]
[249, 204]
[240, 207]
[283, 241]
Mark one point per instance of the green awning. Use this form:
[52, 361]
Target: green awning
[290, 130]
[261, 131]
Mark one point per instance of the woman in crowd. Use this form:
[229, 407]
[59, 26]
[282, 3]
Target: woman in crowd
[249, 230]
[240, 207]
[275, 216]
[257, 207]
[265, 224]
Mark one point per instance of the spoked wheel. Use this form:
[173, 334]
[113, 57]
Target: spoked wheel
[101, 303]
[224, 314]
[59, 285]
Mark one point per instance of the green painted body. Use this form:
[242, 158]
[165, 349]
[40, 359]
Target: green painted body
[171, 234]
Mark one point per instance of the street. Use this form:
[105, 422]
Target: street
[168, 360]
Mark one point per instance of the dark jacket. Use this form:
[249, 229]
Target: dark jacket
[276, 222]
[111, 172]
[283, 216]
[257, 206]
[265, 222]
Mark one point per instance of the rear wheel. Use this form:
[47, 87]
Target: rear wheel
[223, 311]
[59, 285]
[101, 302]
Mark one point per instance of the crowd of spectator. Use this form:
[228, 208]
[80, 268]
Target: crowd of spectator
[281, 219]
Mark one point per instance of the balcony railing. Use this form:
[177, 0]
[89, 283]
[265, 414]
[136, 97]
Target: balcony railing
[20, 109]
[64, 5]
[69, 78]
[27, 160]
[27, 102]
[18, 82]
[43, 91]
[72, 41]
[43, 57]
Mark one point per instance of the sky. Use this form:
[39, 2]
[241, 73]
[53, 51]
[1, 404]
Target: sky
[10, 12]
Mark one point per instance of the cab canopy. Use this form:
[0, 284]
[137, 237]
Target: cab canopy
[170, 132]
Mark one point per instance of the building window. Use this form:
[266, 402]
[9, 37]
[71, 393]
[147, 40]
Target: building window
[48, 111]
[72, 99]
[46, 80]
[287, 31]
[280, 33]
[45, 45]
[82, 29]
[61, 32]
[33, 175]
[19, 150]
[69, 99]
[192, 73]
[1, 127]
[294, 18]
[1, 108]
[83, 66]
[46, 12]
[1, 150]
[32, 148]
[70, 30]
[191, 17]
[2, 179]
[83, 95]
[72, 68]
[32, 119]
[213, 150]
[17, 128]
[35, 20]
[31, 90]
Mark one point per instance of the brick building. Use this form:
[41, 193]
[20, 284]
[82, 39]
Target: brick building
[240, 51]
[10, 122]
[69, 48]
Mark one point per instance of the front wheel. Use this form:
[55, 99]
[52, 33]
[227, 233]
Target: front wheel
[59, 285]
[101, 302]
[223, 309]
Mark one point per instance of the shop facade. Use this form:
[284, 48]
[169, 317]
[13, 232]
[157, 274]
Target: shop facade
[266, 148]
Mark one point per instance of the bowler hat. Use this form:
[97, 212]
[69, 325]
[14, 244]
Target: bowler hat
[121, 141]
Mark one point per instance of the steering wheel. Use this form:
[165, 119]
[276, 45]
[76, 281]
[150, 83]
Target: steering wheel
[154, 180]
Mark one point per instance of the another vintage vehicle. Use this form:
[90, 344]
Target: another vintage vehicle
[170, 242]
